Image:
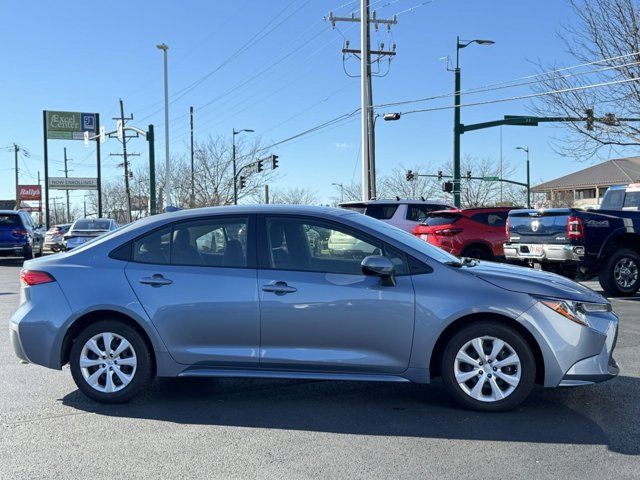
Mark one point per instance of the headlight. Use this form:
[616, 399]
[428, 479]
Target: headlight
[574, 311]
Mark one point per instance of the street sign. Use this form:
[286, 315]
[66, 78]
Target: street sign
[77, 183]
[69, 125]
[29, 192]
[491, 179]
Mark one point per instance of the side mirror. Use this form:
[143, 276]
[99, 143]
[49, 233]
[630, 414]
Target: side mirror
[379, 266]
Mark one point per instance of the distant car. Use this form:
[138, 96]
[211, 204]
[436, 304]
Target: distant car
[18, 235]
[54, 238]
[471, 232]
[402, 213]
[87, 229]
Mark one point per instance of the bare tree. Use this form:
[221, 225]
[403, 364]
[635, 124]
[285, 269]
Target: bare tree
[607, 36]
[295, 196]
[395, 184]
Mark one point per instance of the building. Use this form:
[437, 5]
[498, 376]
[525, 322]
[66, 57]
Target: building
[587, 187]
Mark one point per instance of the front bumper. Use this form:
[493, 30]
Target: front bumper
[544, 252]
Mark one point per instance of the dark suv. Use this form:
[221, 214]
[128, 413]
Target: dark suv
[18, 235]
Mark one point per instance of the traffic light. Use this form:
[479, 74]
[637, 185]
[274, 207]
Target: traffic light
[410, 175]
[274, 162]
[468, 174]
[447, 187]
[243, 181]
[439, 175]
[610, 119]
[589, 119]
[260, 166]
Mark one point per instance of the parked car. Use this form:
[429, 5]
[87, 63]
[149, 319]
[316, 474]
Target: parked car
[471, 232]
[269, 306]
[19, 236]
[571, 241]
[54, 238]
[402, 213]
[86, 229]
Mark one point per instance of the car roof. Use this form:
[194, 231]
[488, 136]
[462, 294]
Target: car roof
[386, 201]
[6, 212]
[462, 211]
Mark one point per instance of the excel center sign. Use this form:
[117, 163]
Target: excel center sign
[69, 125]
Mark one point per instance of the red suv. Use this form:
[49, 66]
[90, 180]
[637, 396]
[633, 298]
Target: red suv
[471, 232]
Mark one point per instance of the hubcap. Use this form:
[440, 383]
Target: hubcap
[626, 272]
[108, 362]
[487, 369]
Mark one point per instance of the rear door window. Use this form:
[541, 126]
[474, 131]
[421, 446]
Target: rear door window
[613, 199]
[419, 212]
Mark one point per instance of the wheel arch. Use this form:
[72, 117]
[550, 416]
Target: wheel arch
[457, 325]
[621, 238]
[95, 316]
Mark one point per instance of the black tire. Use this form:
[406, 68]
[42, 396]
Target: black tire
[479, 252]
[514, 340]
[607, 274]
[144, 369]
[27, 253]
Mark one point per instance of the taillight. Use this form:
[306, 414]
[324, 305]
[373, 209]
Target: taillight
[575, 228]
[19, 232]
[506, 228]
[419, 230]
[448, 232]
[35, 277]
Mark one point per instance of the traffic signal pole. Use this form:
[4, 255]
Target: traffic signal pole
[456, 134]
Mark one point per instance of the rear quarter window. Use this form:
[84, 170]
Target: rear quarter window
[419, 213]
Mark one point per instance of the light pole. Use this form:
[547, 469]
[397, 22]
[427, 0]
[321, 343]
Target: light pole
[235, 167]
[457, 129]
[526, 149]
[341, 185]
[167, 167]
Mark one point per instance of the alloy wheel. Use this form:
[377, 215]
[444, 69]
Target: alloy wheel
[626, 272]
[108, 362]
[487, 369]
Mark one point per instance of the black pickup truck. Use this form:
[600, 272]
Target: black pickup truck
[575, 242]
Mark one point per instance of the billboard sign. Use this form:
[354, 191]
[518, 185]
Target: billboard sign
[29, 192]
[73, 183]
[70, 125]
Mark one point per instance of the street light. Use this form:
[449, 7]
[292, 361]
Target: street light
[233, 158]
[526, 149]
[167, 186]
[456, 115]
[341, 185]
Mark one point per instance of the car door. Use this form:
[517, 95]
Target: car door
[196, 279]
[318, 311]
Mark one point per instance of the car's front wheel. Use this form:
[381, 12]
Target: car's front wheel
[488, 366]
[110, 362]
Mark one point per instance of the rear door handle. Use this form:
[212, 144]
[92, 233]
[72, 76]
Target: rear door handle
[279, 288]
[156, 280]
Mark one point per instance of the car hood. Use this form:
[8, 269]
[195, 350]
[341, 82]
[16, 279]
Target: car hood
[535, 282]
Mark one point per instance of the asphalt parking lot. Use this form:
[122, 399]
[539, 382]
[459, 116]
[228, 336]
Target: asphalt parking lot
[208, 428]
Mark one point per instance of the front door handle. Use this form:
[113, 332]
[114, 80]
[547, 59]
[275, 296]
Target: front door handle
[279, 288]
[155, 280]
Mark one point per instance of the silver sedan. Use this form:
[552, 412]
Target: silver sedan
[260, 291]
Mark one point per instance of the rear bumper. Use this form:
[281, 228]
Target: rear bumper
[16, 344]
[544, 252]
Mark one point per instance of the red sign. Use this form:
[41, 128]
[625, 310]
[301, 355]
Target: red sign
[30, 192]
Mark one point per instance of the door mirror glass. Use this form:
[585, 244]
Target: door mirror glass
[379, 266]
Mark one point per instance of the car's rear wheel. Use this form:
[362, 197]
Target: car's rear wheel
[110, 362]
[620, 274]
[488, 367]
[479, 252]
[27, 253]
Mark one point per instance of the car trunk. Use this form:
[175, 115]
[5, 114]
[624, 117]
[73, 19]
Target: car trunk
[539, 226]
[439, 229]
[9, 226]
[85, 233]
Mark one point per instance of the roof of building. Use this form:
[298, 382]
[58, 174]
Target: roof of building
[611, 172]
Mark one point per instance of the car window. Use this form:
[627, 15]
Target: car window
[493, 219]
[381, 211]
[215, 242]
[92, 225]
[10, 220]
[419, 213]
[632, 200]
[154, 247]
[613, 199]
[296, 244]
[437, 219]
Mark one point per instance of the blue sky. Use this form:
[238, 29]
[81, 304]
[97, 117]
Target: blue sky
[84, 56]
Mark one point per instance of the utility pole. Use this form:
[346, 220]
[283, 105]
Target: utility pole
[167, 165]
[266, 194]
[192, 202]
[366, 91]
[123, 137]
[66, 175]
[16, 149]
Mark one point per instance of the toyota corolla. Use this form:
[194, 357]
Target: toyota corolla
[259, 291]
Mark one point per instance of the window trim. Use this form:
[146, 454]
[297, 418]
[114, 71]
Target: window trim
[263, 242]
[251, 255]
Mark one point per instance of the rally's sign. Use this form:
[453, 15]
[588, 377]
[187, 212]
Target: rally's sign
[73, 183]
[29, 192]
[70, 125]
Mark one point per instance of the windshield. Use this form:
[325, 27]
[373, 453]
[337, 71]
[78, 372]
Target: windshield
[10, 221]
[437, 219]
[91, 225]
[407, 238]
